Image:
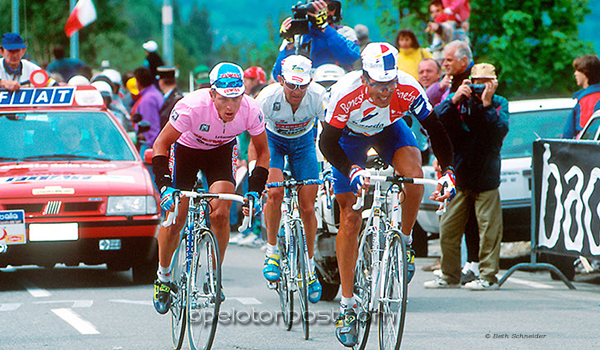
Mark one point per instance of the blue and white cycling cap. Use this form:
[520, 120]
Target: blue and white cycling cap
[227, 79]
[379, 61]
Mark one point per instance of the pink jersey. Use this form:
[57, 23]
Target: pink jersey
[196, 118]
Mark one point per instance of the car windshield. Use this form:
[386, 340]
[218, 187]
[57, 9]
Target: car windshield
[33, 136]
[526, 127]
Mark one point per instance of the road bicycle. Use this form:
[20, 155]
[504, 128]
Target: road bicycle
[294, 263]
[381, 275]
[196, 271]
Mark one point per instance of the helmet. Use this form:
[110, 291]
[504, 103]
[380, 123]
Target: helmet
[328, 74]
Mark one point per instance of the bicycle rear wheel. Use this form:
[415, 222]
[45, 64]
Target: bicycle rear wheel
[204, 293]
[392, 304]
[177, 309]
[303, 276]
[286, 295]
[362, 290]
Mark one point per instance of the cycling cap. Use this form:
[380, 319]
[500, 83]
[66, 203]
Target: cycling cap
[256, 73]
[379, 61]
[328, 73]
[483, 70]
[78, 80]
[227, 79]
[296, 70]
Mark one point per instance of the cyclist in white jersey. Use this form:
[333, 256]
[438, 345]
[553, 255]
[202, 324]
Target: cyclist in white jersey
[365, 111]
[202, 129]
[291, 109]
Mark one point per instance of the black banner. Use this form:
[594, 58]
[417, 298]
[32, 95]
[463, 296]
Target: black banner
[567, 196]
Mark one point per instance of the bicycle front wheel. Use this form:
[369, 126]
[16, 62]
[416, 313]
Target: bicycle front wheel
[204, 293]
[392, 304]
[177, 310]
[286, 295]
[303, 276]
[362, 290]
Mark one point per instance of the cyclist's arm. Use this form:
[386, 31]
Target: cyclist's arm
[440, 143]
[331, 149]
[160, 159]
[261, 149]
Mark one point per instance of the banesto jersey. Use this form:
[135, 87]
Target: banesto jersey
[350, 105]
[195, 117]
[279, 117]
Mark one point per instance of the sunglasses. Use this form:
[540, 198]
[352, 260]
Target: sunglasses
[380, 87]
[232, 83]
[293, 87]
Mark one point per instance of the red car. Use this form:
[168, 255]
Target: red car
[73, 188]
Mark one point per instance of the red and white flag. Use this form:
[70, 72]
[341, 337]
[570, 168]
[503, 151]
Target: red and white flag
[83, 14]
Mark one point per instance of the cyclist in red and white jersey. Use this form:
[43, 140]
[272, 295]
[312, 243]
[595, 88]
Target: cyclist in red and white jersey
[202, 129]
[365, 111]
[291, 109]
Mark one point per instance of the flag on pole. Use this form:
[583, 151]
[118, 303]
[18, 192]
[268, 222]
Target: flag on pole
[83, 14]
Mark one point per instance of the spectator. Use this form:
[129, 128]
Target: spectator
[201, 77]
[587, 75]
[14, 70]
[253, 77]
[410, 52]
[66, 67]
[362, 34]
[429, 72]
[326, 42]
[458, 61]
[153, 59]
[148, 105]
[168, 85]
[477, 122]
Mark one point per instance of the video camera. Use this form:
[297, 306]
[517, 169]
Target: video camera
[300, 17]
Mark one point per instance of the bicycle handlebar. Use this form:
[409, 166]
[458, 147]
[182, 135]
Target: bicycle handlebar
[171, 217]
[293, 183]
[396, 179]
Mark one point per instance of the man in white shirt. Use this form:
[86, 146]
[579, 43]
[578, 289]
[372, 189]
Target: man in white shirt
[13, 69]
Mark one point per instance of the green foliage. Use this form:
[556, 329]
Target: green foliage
[532, 43]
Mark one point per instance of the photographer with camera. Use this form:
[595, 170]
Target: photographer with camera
[321, 38]
[476, 121]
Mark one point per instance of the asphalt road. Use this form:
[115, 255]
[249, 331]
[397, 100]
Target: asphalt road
[91, 308]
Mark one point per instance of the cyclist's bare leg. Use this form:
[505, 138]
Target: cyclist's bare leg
[219, 216]
[168, 237]
[407, 162]
[307, 197]
[347, 242]
[273, 206]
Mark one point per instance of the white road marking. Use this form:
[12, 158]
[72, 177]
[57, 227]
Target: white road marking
[34, 290]
[248, 301]
[135, 302]
[81, 325]
[9, 307]
[529, 283]
[76, 303]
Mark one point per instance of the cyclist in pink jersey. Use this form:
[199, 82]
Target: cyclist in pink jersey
[202, 129]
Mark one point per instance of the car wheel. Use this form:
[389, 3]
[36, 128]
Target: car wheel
[329, 290]
[144, 272]
[420, 243]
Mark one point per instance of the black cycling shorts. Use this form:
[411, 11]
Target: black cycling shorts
[217, 164]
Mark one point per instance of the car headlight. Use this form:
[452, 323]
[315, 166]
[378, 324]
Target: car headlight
[131, 205]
